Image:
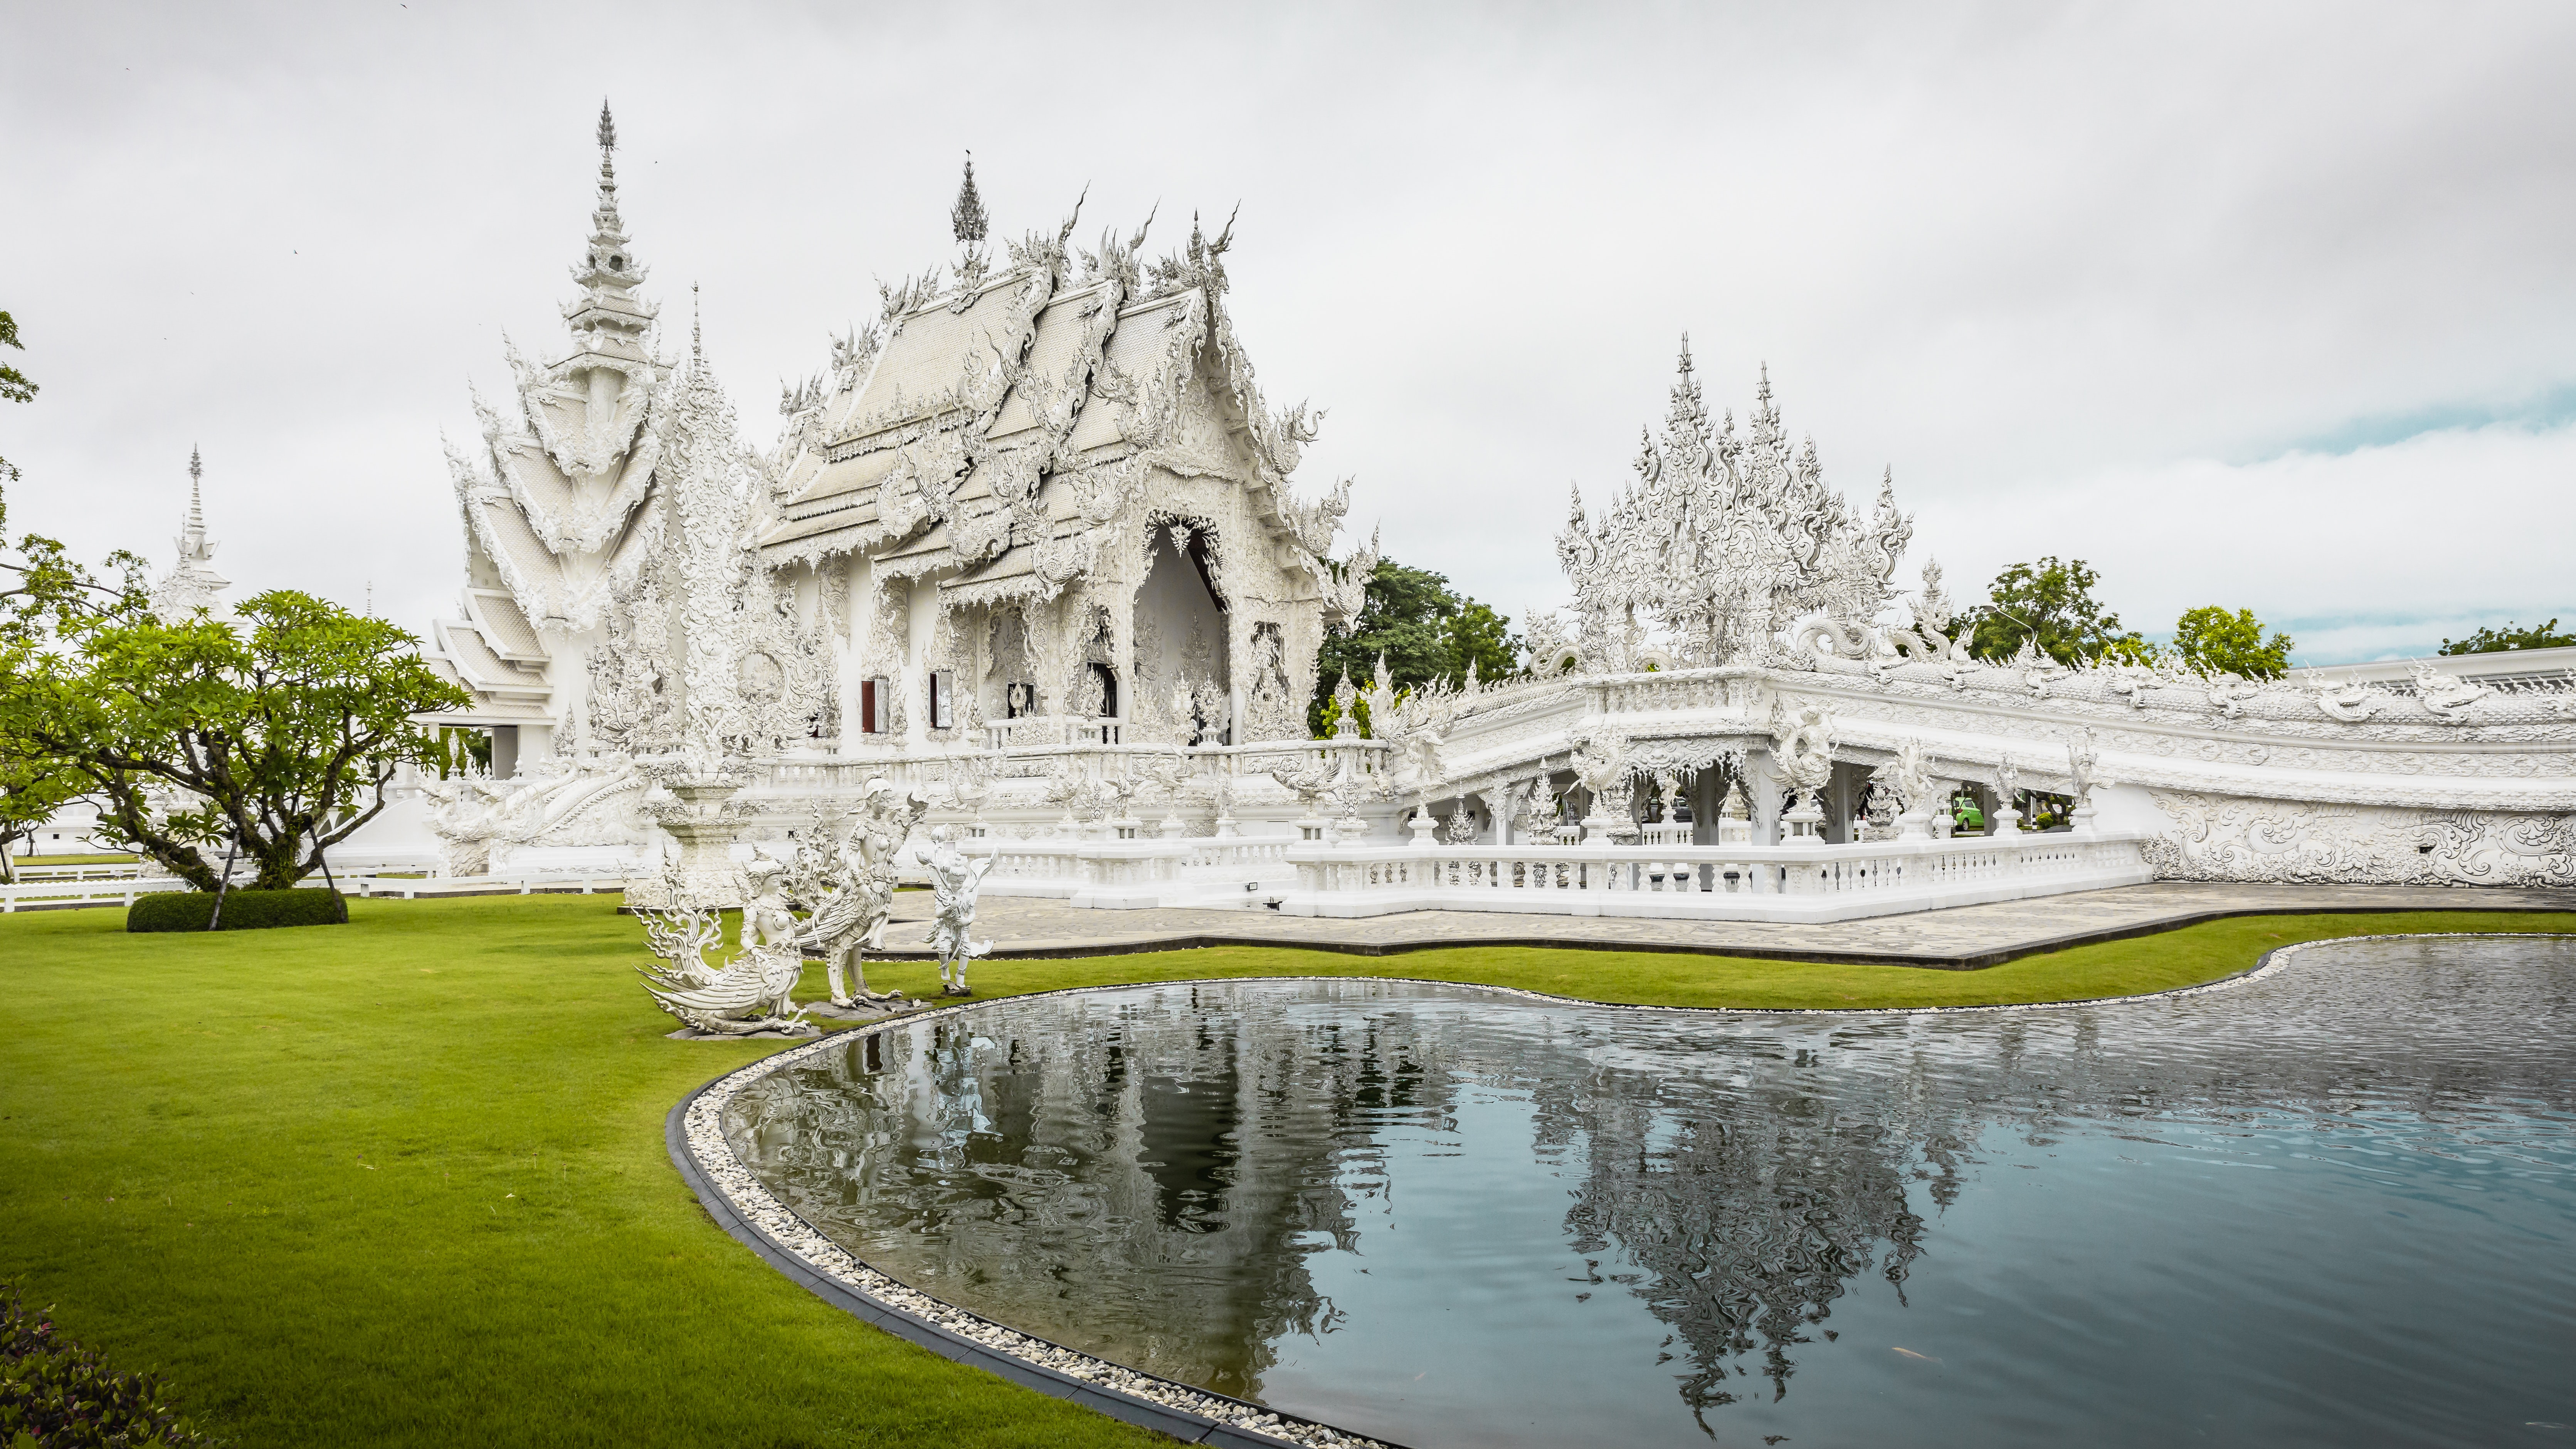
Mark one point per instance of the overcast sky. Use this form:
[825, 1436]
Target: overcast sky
[2260, 305]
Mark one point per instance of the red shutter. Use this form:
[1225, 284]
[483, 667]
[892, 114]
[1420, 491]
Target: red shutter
[867, 706]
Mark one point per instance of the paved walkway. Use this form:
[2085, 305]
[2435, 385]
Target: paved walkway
[1961, 938]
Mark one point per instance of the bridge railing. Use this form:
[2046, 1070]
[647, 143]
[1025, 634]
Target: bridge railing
[1782, 882]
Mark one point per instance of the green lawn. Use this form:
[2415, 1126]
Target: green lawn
[20, 862]
[403, 1182]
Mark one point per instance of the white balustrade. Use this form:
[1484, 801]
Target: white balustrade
[1210, 871]
[1741, 882]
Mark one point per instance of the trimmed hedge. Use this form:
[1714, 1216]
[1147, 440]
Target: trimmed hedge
[243, 910]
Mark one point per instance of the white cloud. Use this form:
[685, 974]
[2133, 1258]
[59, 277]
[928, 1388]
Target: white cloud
[2039, 259]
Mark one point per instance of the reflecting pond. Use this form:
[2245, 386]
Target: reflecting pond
[2333, 1206]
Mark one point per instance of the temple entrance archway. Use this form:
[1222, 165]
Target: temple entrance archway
[1182, 670]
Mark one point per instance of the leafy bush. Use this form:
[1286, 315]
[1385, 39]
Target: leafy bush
[243, 910]
[2491, 640]
[2212, 640]
[54, 1393]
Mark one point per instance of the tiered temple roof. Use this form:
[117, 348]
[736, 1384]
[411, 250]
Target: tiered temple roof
[991, 429]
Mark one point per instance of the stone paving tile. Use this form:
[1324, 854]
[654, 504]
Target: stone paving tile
[1961, 936]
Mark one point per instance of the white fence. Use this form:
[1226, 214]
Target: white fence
[1810, 883]
[1135, 874]
[1787, 883]
[31, 874]
[1735, 882]
[498, 883]
[62, 894]
[66, 893]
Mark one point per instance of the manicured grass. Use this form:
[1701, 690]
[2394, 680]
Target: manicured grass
[403, 1181]
[40, 859]
[2159, 962]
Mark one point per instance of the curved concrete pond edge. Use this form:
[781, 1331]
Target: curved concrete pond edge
[744, 1208]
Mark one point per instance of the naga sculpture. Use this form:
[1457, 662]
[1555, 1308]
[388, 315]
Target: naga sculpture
[745, 996]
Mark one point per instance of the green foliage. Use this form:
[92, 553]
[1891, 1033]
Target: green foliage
[15, 386]
[2214, 641]
[460, 751]
[2052, 602]
[277, 733]
[2491, 640]
[1426, 629]
[56, 1393]
[244, 910]
[31, 791]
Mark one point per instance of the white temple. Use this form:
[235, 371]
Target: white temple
[1030, 545]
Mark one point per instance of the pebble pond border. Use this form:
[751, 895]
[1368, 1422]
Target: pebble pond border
[743, 1207]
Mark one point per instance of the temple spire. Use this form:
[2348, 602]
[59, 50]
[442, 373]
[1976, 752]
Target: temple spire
[607, 317]
[192, 583]
[193, 531]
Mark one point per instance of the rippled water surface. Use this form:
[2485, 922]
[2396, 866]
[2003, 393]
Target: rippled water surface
[2335, 1206]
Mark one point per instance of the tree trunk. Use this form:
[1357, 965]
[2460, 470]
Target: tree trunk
[180, 859]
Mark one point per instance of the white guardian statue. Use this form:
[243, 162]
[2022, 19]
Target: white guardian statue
[954, 881]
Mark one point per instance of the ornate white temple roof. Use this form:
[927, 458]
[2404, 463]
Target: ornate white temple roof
[986, 429]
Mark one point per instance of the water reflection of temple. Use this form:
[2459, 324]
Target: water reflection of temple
[1151, 1172]
[1157, 1168]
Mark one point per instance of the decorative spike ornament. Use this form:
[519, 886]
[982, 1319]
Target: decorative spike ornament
[967, 218]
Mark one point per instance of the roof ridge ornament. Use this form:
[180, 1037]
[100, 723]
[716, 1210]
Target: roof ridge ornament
[967, 218]
[971, 225]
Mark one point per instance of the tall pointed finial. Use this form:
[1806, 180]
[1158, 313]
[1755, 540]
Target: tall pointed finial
[193, 546]
[1686, 357]
[967, 217]
[697, 340]
[607, 210]
[607, 317]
